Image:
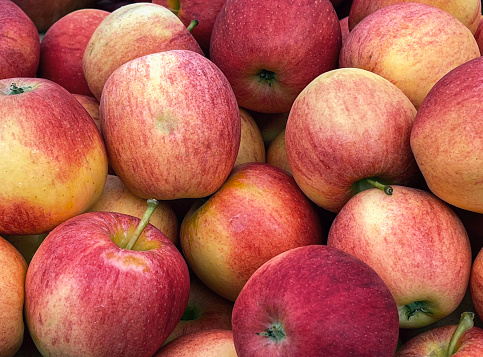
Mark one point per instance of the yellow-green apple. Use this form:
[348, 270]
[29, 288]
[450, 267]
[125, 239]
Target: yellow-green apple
[115, 197]
[204, 11]
[105, 284]
[91, 104]
[277, 154]
[315, 301]
[171, 125]
[462, 340]
[130, 32]
[415, 242]
[12, 295]
[206, 310]
[252, 146]
[467, 11]
[203, 343]
[270, 124]
[346, 126]
[257, 213]
[476, 283]
[268, 54]
[445, 139]
[53, 161]
[421, 43]
[62, 49]
[19, 42]
[479, 35]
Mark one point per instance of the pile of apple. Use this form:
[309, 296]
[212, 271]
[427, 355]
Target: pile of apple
[241, 178]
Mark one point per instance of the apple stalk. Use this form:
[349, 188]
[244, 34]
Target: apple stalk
[466, 322]
[152, 205]
[192, 25]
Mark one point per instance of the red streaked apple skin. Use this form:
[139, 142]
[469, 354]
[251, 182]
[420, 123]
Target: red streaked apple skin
[476, 283]
[327, 302]
[414, 241]
[85, 296]
[479, 35]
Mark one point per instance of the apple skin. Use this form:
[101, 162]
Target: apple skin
[251, 37]
[479, 35]
[54, 162]
[130, 32]
[277, 153]
[476, 283]
[415, 242]
[421, 43]
[12, 294]
[347, 125]
[19, 42]
[63, 46]
[91, 104]
[467, 11]
[327, 302]
[257, 213]
[87, 296]
[252, 146]
[270, 124]
[206, 343]
[446, 138]
[344, 28]
[171, 125]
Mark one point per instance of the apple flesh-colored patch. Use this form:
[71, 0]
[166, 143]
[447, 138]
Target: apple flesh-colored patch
[128, 261]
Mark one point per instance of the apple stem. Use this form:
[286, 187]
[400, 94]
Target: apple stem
[152, 204]
[414, 307]
[17, 90]
[466, 322]
[386, 188]
[266, 75]
[192, 25]
[275, 332]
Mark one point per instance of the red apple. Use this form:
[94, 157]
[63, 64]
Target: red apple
[53, 159]
[90, 104]
[270, 124]
[171, 125]
[479, 35]
[346, 126]
[277, 153]
[19, 42]
[252, 146]
[476, 283]
[257, 213]
[130, 32]
[421, 43]
[105, 284]
[315, 301]
[415, 242]
[446, 137]
[270, 50]
[344, 28]
[12, 279]
[63, 47]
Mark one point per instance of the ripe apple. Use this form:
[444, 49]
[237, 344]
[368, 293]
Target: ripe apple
[476, 283]
[252, 146]
[12, 279]
[270, 50]
[63, 47]
[270, 124]
[53, 160]
[171, 125]
[446, 138]
[277, 153]
[105, 284]
[462, 340]
[130, 32]
[479, 35]
[203, 343]
[257, 213]
[91, 104]
[315, 301]
[344, 28]
[346, 126]
[415, 242]
[19, 42]
[421, 43]
[467, 11]
[115, 197]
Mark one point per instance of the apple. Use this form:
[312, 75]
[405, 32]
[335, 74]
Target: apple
[12, 279]
[446, 139]
[346, 126]
[27, 245]
[105, 284]
[256, 214]
[206, 310]
[270, 50]
[63, 46]
[171, 125]
[91, 104]
[19, 42]
[315, 301]
[421, 43]
[277, 154]
[53, 161]
[115, 197]
[476, 283]
[479, 35]
[204, 11]
[462, 340]
[415, 242]
[204, 343]
[467, 11]
[344, 28]
[130, 32]
[270, 124]
[252, 146]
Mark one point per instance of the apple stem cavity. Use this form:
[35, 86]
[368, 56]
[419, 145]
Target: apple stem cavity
[466, 322]
[388, 190]
[152, 205]
[267, 76]
[275, 332]
[415, 307]
[192, 25]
